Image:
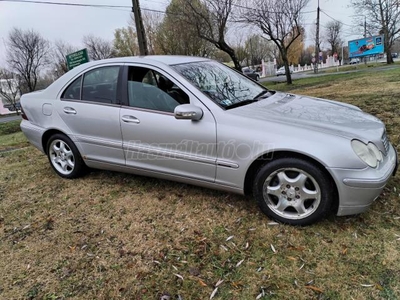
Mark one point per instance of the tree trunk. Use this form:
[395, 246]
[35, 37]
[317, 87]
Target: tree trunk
[389, 58]
[224, 47]
[287, 68]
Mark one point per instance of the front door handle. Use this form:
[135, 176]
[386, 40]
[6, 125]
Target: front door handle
[69, 111]
[130, 119]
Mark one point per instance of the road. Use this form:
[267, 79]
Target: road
[9, 118]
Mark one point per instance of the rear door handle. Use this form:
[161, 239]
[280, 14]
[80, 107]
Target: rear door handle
[69, 111]
[130, 119]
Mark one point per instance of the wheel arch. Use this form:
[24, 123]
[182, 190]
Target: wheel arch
[268, 157]
[47, 135]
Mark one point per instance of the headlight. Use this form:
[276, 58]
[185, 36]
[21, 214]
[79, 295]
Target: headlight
[369, 154]
[377, 153]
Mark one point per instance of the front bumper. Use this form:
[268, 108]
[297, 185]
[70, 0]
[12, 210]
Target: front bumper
[359, 188]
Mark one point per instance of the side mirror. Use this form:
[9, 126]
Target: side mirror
[188, 112]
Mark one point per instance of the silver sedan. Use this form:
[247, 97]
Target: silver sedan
[197, 121]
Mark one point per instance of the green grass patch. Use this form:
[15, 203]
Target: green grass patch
[12, 141]
[11, 136]
[10, 127]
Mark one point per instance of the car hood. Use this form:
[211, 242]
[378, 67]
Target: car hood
[317, 114]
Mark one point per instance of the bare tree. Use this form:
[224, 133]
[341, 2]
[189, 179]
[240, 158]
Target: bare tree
[383, 17]
[211, 18]
[9, 88]
[27, 54]
[98, 48]
[333, 30]
[59, 61]
[280, 21]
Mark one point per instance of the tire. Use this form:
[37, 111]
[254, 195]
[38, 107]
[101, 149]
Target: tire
[64, 157]
[293, 191]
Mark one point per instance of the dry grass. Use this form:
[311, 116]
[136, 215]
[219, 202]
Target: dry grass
[118, 236]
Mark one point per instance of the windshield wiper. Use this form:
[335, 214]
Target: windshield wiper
[261, 94]
[241, 103]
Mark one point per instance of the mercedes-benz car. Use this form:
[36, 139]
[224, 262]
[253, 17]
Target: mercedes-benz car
[197, 121]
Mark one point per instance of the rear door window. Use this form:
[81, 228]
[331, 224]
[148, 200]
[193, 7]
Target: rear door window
[100, 85]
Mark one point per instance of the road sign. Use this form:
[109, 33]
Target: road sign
[77, 58]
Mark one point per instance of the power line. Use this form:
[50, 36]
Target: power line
[115, 7]
[335, 19]
[68, 4]
[125, 6]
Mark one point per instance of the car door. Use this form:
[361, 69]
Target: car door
[153, 139]
[90, 108]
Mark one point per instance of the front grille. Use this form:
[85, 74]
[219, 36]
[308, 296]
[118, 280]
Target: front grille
[385, 142]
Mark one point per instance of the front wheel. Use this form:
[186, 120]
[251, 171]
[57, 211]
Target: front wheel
[293, 191]
[64, 157]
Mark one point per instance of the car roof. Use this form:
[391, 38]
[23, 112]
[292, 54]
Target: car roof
[165, 59]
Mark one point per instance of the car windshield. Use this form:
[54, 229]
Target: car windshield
[221, 84]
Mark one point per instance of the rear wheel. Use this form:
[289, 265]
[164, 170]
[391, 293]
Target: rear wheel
[64, 157]
[293, 191]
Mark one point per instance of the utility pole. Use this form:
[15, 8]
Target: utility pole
[317, 43]
[365, 26]
[365, 35]
[141, 35]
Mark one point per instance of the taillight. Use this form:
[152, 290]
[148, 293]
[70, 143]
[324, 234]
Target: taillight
[23, 115]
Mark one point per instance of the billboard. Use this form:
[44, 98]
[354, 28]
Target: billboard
[366, 46]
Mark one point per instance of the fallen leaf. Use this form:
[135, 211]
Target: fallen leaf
[223, 247]
[179, 276]
[344, 252]
[273, 223]
[202, 283]
[367, 285]
[229, 238]
[239, 263]
[314, 288]
[236, 284]
[273, 248]
[213, 293]
[260, 295]
[292, 258]
[219, 282]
